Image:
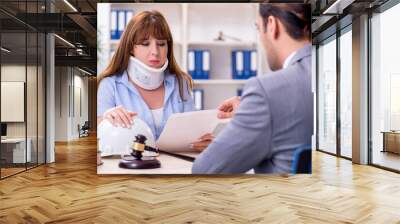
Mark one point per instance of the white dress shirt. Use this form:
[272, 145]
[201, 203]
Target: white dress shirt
[157, 117]
[287, 60]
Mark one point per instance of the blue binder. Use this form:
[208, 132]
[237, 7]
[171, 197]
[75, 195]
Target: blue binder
[198, 98]
[198, 61]
[113, 25]
[253, 63]
[246, 60]
[206, 61]
[233, 65]
[237, 64]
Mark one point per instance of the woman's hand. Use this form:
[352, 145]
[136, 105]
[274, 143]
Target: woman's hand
[203, 142]
[119, 116]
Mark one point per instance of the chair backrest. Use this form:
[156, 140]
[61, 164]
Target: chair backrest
[302, 160]
[86, 125]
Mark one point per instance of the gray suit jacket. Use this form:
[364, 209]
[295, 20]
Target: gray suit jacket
[275, 117]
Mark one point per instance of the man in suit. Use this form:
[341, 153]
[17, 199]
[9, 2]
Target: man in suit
[275, 114]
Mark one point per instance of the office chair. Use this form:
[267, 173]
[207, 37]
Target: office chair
[302, 160]
[84, 130]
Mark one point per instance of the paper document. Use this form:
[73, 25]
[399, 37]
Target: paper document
[182, 129]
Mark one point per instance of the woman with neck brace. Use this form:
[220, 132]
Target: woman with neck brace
[143, 78]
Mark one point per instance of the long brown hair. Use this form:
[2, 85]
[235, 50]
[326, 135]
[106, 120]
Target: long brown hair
[141, 27]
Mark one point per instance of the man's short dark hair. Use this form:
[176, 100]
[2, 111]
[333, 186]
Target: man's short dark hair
[295, 17]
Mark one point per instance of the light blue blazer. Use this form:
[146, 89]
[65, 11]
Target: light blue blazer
[274, 118]
[116, 90]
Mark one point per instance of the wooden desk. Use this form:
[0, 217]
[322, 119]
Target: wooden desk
[391, 142]
[169, 165]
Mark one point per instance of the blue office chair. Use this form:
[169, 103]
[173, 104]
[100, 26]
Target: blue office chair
[302, 160]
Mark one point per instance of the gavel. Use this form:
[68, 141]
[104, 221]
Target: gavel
[139, 146]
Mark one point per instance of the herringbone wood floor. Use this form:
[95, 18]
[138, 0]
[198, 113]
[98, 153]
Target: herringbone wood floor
[70, 191]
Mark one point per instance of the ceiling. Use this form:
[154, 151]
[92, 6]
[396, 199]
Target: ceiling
[328, 16]
[74, 22]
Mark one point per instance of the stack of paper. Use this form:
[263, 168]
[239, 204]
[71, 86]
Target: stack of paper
[182, 129]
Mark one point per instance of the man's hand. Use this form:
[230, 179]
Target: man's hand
[203, 142]
[228, 108]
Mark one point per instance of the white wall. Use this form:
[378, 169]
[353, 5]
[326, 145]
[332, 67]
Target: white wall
[69, 85]
[14, 73]
[79, 117]
[61, 103]
[33, 127]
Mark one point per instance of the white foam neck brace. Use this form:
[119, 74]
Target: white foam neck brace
[145, 76]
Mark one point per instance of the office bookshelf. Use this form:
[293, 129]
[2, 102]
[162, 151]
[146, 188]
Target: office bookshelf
[197, 26]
